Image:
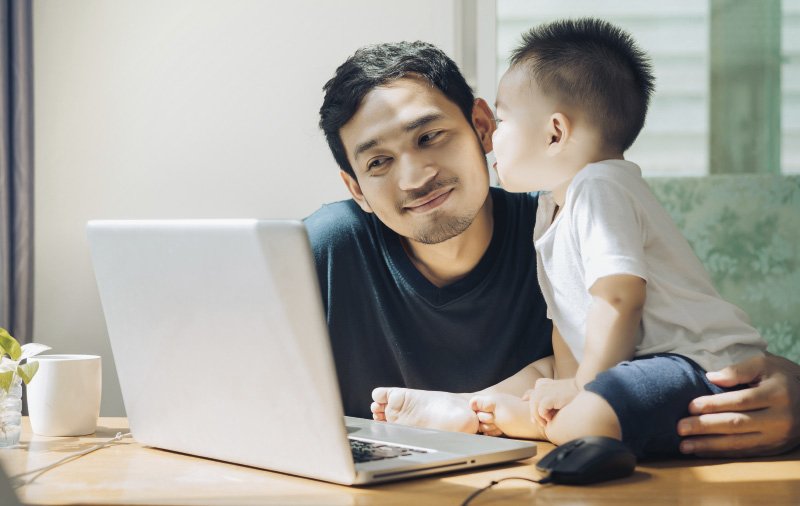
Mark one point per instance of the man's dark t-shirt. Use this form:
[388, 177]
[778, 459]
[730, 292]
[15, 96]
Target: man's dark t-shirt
[389, 326]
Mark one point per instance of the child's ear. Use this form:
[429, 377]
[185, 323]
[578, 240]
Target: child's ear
[355, 190]
[559, 130]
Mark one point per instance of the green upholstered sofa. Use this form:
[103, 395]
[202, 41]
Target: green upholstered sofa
[746, 231]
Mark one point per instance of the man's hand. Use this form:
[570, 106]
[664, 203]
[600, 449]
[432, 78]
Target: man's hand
[763, 419]
[548, 396]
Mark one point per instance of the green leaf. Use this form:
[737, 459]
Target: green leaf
[9, 345]
[31, 349]
[5, 380]
[26, 371]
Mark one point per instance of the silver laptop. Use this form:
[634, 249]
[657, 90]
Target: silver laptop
[221, 347]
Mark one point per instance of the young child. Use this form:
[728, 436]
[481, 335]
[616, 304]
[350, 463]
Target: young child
[636, 320]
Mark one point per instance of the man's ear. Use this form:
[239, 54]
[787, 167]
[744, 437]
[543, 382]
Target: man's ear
[483, 122]
[355, 190]
[559, 131]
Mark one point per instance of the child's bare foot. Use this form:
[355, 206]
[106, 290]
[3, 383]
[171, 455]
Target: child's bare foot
[422, 408]
[506, 414]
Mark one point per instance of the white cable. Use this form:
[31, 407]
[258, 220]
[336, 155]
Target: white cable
[18, 482]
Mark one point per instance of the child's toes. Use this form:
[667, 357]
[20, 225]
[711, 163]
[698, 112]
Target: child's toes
[380, 395]
[377, 409]
[482, 403]
[485, 417]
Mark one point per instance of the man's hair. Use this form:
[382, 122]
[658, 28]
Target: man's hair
[591, 64]
[376, 65]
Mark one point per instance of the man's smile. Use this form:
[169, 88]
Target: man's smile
[429, 202]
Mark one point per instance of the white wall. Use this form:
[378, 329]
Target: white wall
[184, 109]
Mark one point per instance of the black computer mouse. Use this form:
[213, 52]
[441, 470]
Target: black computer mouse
[585, 460]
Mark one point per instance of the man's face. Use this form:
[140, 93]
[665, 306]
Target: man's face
[419, 165]
[523, 135]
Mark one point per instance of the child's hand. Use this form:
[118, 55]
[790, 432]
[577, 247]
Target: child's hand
[548, 396]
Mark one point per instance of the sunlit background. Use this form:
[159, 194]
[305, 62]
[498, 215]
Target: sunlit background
[755, 43]
[209, 108]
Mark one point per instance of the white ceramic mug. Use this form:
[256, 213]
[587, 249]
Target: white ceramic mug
[64, 395]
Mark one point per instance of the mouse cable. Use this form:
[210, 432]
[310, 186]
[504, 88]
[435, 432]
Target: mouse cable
[17, 481]
[478, 492]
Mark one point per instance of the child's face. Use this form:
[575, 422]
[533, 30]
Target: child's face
[522, 138]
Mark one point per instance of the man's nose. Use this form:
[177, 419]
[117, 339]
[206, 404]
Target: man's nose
[415, 172]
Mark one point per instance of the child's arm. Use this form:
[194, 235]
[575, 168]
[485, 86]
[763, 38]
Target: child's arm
[611, 334]
[612, 324]
[565, 364]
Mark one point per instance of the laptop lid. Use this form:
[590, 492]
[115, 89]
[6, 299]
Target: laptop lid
[219, 339]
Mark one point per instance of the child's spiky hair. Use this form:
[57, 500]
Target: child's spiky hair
[591, 64]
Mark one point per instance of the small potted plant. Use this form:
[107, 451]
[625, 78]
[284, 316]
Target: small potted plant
[12, 374]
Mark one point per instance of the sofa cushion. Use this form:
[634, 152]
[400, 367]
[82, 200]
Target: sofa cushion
[746, 231]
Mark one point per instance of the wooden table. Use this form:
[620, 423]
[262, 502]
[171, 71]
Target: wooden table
[128, 473]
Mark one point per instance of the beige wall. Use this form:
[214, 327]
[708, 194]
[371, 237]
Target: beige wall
[184, 108]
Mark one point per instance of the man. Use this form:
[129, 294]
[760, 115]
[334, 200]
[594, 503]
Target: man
[429, 276]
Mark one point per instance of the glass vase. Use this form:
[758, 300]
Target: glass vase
[11, 413]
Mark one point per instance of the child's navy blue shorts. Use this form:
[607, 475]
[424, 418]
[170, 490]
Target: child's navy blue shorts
[650, 394]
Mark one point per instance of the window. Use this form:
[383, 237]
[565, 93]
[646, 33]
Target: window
[790, 87]
[677, 139]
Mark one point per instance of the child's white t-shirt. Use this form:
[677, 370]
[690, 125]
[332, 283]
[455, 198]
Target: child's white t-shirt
[611, 223]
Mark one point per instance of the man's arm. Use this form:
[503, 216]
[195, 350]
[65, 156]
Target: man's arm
[763, 419]
[523, 380]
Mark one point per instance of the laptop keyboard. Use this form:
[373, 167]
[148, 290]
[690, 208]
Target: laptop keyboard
[366, 451]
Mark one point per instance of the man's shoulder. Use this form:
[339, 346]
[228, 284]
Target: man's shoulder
[523, 198]
[516, 204]
[335, 223]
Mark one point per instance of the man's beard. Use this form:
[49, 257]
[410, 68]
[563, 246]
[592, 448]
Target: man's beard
[442, 229]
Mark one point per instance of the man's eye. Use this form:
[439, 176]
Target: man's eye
[429, 137]
[376, 163]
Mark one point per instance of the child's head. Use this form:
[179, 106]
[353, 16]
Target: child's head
[577, 91]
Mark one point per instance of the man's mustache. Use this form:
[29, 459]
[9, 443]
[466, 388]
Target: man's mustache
[429, 188]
